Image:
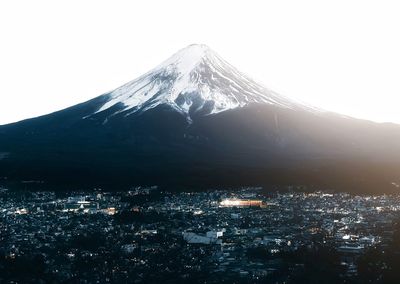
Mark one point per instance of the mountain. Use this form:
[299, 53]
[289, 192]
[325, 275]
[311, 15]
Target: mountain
[197, 121]
[194, 81]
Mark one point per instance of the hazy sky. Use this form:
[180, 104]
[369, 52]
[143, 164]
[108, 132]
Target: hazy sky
[339, 55]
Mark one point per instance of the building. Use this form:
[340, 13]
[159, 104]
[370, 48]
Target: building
[211, 237]
[241, 203]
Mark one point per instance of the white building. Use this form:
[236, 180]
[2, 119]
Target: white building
[211, 237]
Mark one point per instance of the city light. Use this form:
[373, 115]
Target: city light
[241, 203]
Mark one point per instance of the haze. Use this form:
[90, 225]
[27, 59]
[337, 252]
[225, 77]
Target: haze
[341, 56]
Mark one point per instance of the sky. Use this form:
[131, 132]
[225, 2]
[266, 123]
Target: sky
[342, 56]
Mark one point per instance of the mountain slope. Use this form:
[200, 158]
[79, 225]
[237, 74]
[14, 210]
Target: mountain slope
[197, 121]
[194, 80]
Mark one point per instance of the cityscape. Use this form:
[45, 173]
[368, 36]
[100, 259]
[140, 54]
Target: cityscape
[188, 142]
[151, 235]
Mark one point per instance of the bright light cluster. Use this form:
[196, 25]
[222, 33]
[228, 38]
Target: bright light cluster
[240, 202]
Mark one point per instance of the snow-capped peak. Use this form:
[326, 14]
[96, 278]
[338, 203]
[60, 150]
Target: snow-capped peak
[195, 80]
[186, 59]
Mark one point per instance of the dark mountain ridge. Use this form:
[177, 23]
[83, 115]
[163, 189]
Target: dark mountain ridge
[200, 124]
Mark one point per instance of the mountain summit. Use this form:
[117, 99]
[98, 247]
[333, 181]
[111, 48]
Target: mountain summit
[197, 121]
[193, 81]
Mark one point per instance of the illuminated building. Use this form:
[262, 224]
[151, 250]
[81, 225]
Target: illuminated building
[241, 203]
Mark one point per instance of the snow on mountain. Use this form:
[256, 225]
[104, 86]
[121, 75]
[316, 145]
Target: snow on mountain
[194, 80]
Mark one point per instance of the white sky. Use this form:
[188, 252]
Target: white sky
[343, 56]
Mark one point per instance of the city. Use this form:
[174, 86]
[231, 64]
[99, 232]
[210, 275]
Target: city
[246, 235]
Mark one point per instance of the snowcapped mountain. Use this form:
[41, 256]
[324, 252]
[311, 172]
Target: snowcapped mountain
[195, 120]
[193, 81]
